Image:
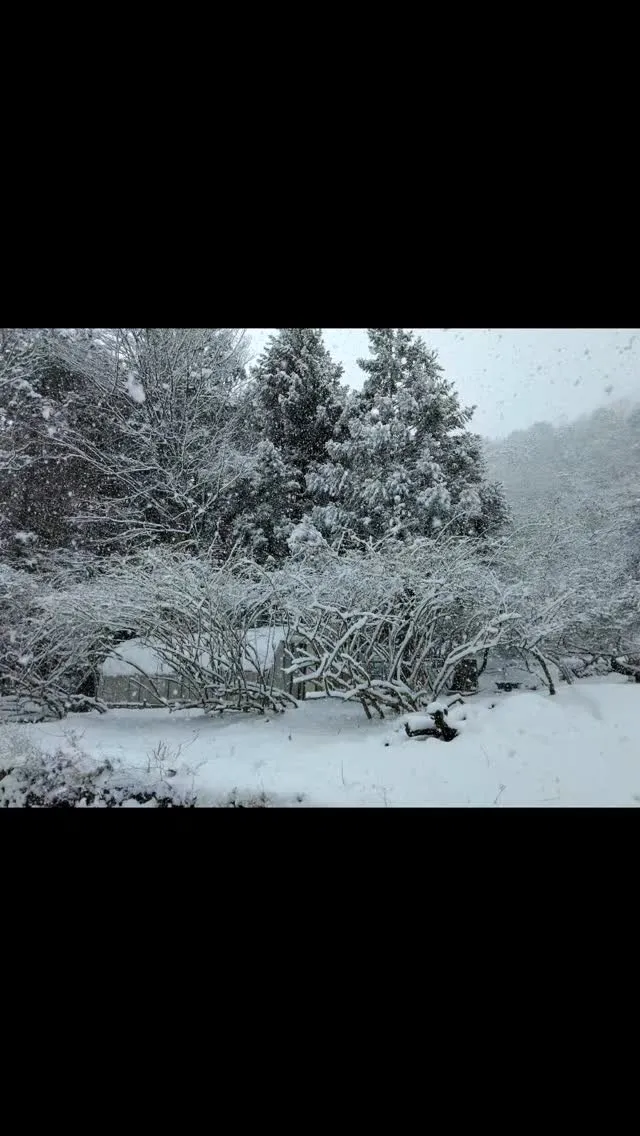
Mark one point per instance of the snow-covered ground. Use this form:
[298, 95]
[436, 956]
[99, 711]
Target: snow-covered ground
[580, 748]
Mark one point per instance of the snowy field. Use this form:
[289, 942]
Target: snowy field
[581, 748]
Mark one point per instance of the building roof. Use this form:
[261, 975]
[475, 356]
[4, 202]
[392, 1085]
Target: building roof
[261, 646]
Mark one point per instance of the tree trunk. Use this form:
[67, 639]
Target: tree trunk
[543, 663]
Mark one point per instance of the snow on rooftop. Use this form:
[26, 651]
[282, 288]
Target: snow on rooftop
[262, 643]
[129, 656]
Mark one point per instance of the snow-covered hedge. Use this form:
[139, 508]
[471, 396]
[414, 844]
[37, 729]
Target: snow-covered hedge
[71, 779]
[387, 625]
[199, 617]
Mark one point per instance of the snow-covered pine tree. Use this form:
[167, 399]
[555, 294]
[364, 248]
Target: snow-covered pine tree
[256, 512]
[298, 397]
[408, 464]
[298, 405]
[393, 352]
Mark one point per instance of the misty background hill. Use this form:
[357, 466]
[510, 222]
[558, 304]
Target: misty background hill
[590, 464]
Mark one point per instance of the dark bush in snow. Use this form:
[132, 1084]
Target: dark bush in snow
[233, 801]
[30, 778]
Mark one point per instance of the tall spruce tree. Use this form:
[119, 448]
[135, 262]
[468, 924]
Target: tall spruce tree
[258, 510]
[298, 405]
[298, 397]
[408, 464]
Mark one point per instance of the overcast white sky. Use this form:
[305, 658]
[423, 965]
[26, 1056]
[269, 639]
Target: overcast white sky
[514, 376]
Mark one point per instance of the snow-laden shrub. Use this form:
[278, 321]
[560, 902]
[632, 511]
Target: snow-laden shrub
[235, 801]
[200, 618]
[69, 778]
[389, 625]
